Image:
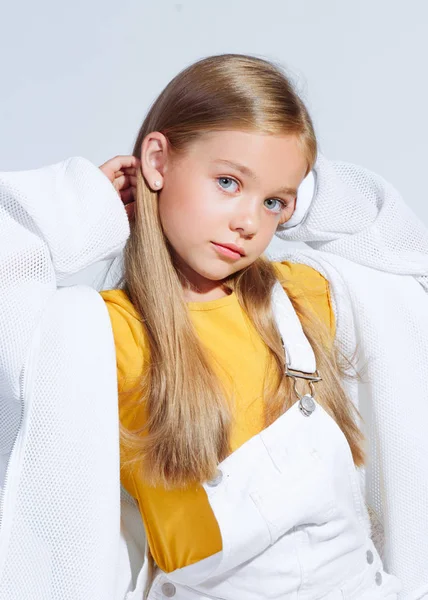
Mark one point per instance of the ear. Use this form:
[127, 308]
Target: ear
[154, 154]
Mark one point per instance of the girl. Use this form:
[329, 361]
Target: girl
[204, 403]
[238, 442]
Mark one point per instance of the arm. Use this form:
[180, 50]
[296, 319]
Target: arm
[71, 208]
[54, 221]
[58, 402]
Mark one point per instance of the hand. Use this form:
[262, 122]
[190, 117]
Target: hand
[122, 172]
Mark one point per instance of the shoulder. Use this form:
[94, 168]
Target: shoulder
[301, 276]
[119, 305]
[123, 315]
[309, 288]
[128, 331]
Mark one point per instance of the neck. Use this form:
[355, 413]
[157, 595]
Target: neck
[212, 290]
[191, 295]
[197, 288]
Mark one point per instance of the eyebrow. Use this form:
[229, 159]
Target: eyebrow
[246, 171]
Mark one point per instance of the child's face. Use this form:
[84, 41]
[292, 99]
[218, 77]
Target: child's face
[228, 187]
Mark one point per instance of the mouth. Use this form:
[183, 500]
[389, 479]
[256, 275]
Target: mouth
[230, 250]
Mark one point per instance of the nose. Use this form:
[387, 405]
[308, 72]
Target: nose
[246, 218]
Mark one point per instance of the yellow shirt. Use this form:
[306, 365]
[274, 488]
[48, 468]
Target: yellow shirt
[180, 525]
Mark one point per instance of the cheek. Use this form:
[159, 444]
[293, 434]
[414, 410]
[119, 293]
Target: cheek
[267, 234]
[269, 223]
[188, 212]
[173, 218]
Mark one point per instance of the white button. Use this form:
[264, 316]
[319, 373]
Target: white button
[370, 557]
[217, 479]
[168, 590]
[378, 578]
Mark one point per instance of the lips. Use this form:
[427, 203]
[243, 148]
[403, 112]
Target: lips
[232, 247]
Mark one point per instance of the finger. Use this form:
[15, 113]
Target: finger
[132, 177]
[130, 210]
[127, 195]
[124, 183]
[119, 182]
[121, 162]
[130, 170]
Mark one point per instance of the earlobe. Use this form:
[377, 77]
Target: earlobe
[153, 159]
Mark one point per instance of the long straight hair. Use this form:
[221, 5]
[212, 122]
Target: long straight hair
[188, 415]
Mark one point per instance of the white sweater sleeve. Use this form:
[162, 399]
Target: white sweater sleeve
[54, 221]
[72, 207]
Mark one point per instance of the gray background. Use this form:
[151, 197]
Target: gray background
[78, 77]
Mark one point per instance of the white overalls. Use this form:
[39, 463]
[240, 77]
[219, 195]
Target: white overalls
[290, 509]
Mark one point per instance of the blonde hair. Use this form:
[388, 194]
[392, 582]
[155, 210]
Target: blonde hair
[188, 421]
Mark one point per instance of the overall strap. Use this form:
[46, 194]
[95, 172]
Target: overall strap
[299, 357]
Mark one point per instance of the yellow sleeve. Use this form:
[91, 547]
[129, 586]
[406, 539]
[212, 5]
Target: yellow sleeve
[129, 338]
[311, 288]
[180, 525]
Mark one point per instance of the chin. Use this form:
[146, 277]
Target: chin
[216, 274]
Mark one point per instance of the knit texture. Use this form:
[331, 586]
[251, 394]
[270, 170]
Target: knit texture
[374, 252]
[60, 535]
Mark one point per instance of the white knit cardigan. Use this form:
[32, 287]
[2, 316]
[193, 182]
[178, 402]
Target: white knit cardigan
[374, 252]
[63, 532]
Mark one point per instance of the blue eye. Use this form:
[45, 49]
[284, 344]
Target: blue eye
[225, 184]
[278, 207]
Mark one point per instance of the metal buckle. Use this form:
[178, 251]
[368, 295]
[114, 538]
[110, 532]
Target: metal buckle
[311, 379]
[301, 375]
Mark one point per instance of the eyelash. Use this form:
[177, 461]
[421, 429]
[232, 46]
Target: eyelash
[284, 205]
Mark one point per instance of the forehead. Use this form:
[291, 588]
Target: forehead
[268, 159]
